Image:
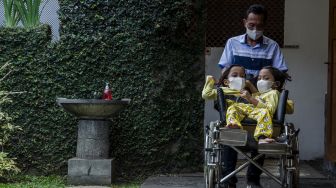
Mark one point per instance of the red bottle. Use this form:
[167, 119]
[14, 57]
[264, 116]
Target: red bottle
[107, 95]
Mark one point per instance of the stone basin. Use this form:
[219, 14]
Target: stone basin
[92, 164]
[93, 108]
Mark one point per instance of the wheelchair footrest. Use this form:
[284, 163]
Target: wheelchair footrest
[233, 137]
[273, 148]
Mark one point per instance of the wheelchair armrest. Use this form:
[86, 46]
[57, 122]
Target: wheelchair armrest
[279, 115]
[221, 104]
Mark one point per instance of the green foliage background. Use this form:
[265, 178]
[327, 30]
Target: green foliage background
[149, 51]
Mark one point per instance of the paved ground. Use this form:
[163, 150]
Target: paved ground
[309, 178]
[197, 182]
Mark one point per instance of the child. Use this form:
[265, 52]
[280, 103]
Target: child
[233, 80]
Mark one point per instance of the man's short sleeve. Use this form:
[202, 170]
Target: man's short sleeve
[278, 59]
[227, 57]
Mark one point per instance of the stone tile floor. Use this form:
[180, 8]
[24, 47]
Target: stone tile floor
[310, 177]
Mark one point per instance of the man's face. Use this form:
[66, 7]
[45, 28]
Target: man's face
[254, 22]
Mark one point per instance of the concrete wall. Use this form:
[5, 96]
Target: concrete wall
[49, 16]
[306, 25]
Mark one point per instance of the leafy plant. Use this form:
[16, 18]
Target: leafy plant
[7, 165]
[12, 16]
[29, 12]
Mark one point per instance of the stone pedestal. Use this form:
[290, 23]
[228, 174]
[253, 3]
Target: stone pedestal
[93, 140]
[90, 171]
[92, 165]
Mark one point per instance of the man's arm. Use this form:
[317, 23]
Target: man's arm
[279, 62]
[278, 59]
[227, 57]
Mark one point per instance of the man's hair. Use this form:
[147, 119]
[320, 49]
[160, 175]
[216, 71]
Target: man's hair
[258, 10]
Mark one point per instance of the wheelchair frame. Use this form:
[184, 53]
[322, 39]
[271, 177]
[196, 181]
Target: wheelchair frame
[216, 136]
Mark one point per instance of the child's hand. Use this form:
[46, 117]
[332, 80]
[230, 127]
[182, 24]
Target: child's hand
[245, 94]
[248, 83]
[210, 77]
[250, 86]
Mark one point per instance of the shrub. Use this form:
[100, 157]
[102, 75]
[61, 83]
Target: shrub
[7, 164]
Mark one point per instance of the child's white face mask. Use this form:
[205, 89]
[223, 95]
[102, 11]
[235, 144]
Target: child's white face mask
[237, 83]
[264, 86]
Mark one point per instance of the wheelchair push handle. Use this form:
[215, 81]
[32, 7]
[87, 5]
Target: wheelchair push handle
[221, 104]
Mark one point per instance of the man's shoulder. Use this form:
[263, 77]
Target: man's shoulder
[238, 38]
[269, 41]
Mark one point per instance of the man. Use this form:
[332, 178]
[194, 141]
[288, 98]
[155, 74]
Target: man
[253, 51]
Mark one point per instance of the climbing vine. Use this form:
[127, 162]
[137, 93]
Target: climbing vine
[149, 51]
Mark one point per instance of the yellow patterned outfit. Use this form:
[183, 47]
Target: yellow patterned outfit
[236, 112]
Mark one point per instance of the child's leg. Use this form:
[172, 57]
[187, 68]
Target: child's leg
[234, 115]
[264, 122]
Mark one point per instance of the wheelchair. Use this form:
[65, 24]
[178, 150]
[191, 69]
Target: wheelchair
[286, 148]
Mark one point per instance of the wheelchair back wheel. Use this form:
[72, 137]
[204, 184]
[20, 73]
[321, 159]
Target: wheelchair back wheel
[208, 146]
[296, 162]
[211, 179]
[208, 172]
[289, 165]
[211, 157]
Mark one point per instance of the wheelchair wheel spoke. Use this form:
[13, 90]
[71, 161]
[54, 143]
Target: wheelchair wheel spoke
[296, 163]
[211, 178]
[292, 163]
[290, 179]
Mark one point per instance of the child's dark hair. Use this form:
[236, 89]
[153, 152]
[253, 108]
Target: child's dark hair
[226, 73]
[278, 75]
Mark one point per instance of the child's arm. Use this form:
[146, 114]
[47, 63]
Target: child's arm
[270, 101]
[289, 106]
[250, 85]
[246, 95]
[209, 92]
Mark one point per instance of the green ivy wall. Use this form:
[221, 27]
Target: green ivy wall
[149, 51]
